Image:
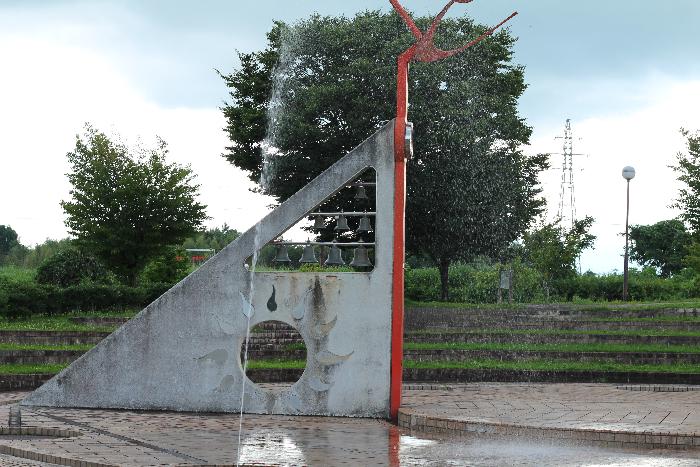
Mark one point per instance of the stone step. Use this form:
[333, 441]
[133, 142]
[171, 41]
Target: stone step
[291, 334]
[52, 337]
[99, 320]
[39, 356]
[271, 326]
[458, 375]
[264, 354]
[448, 355]
[266, 341]
[417, 317]
[22, 382]
[505, 337]
[584, 325]
[439, 375]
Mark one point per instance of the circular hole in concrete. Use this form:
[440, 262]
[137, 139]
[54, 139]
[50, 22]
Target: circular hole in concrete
[276, 355]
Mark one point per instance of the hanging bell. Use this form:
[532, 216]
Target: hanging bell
[335, 258]
[282, 255]
[342, 224]
[361, 193]
[309, 255]
[361, 258]
[365, 225]
[319, 223]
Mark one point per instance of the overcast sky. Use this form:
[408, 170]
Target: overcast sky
[627, 74]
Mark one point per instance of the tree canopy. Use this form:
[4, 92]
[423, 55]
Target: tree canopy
[688, 170]
[663, 245]
[8, 239]
[324, 85]
[553, 250]
[127, 206]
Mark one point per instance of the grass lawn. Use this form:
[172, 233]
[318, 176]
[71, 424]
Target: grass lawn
[61, 322]
[593, 347]
[579, 305]
[43, 368]
[655, 319]
[276, 364]
[554, 365]
[633, 332]
[13, 346]
[524, 365]
[15, 274]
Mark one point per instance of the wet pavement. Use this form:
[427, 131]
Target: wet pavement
[110, 437]
[607, 414]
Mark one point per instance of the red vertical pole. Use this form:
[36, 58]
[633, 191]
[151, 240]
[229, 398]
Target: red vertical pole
[399, 233]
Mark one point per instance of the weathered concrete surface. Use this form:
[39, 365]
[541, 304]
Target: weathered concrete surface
[182, 351]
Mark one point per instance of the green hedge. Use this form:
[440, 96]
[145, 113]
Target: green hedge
[473, 283]
[23, 298]
[479, 284]
[643, 286]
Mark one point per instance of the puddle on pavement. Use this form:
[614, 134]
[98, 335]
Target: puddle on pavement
[379, 443]
[327, 441]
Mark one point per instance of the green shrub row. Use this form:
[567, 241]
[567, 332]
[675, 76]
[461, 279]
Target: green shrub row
[474, 283]
[23, 298]
[642, 287]
[479, 284]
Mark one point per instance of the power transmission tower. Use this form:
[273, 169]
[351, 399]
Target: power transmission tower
[567, 196]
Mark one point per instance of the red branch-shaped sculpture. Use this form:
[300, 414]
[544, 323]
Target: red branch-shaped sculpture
[423, 50]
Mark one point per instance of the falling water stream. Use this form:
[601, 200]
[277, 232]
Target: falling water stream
[269, 151]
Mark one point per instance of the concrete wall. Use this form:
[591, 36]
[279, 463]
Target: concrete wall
[182, 351]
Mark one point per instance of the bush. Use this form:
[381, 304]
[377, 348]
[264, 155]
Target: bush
[643, 286]
[171, 267]
[20, 299]
[473, 283]
[70, 267]
[478, 283]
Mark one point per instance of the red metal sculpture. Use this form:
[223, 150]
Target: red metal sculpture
[424, 50]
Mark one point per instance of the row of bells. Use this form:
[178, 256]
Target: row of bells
[335, 258]
[342, 224]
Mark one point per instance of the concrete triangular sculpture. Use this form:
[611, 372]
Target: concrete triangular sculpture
[182, 351]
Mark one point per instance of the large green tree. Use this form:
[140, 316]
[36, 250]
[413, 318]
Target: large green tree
[128, 206]
[324, 85]
[553, 250]
[8, 239]
[688, 170]
[663, 245]
[216, 238]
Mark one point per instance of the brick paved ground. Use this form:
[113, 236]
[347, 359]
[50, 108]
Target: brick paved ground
[593, 412]
[110, 437]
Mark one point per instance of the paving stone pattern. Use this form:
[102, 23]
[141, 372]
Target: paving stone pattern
[601, 413]
[111, 437]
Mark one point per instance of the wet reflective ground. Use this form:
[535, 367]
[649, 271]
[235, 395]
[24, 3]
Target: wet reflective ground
[378, 443]
[157, 438]
[119, 437]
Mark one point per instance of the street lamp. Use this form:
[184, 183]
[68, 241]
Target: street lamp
[627, 174]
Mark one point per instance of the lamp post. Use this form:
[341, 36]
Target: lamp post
[628, 174]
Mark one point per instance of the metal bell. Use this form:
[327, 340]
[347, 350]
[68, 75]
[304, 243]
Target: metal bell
[319, 223]
[335, 258]
[361, 258]
[361, 193]
[342, 224]
[309, 255]
[282, 255]
[365, 225]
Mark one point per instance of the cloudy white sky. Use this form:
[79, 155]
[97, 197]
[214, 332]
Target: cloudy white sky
[627, 73]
